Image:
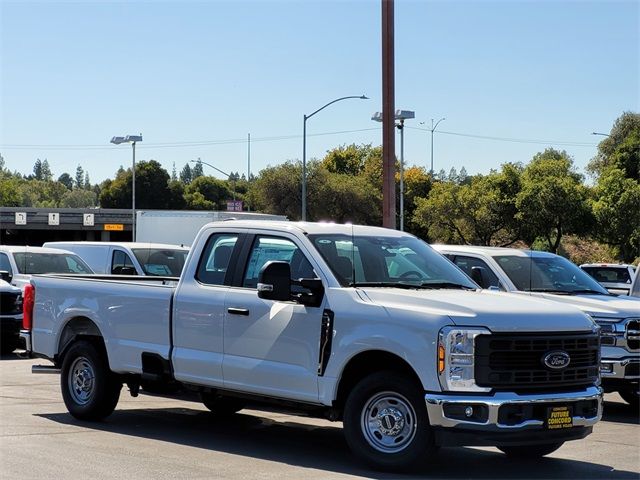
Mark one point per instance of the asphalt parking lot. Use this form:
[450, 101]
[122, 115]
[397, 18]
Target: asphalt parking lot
[156, 438]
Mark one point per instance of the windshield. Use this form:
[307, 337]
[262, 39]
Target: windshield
[33, 263]
[548, 274]
[403, 262]
[162, 262]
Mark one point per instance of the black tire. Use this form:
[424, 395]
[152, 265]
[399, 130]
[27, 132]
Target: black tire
[631, 396]
[530, 451]
[221, 406]
[89, 389]
[405, 441]
[8, 344]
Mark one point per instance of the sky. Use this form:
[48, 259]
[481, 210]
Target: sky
[196, 78]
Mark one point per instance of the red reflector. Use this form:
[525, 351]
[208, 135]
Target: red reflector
[27, 306]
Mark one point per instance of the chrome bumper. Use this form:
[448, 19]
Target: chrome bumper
[437, 418]
[26, 336]
[618, 368]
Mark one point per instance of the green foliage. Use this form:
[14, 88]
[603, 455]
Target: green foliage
[553, 200]
[152, 188]
[617, 212]
[79, 199]
[186, 175]
[10, 192]
[277, 190]
[207, 193]
[66, 180]
[79, 183]
[621, 149]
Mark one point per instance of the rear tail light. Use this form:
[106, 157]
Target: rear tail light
[27, 306]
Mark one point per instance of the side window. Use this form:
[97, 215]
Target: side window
[121, 264]
[74, 266]
[266, 249]
[215, 259]
[467, 263]
[4, 263]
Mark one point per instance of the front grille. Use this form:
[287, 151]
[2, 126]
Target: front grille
[507, 361]
[632, 334]
[10, 303]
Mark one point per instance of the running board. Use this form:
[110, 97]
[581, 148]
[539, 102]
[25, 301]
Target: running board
[44, 369]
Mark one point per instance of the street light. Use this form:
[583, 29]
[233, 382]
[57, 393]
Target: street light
[603, 134]
[223, 173]
[304, 149]
[132, 139]
[401, 116]
[433, 128]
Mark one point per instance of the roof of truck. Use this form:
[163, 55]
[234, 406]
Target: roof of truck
[491, 251]
[311, 227]
[28, 249]
[120, 244]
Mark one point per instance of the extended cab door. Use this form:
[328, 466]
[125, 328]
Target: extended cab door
[198, 312]
[271, 347]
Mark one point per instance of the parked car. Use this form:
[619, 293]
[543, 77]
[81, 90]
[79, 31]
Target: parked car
[363, 325]
[129, 258]
[635, 286]
[10, 315]
[21, 262]
[616, 278]
[554, 277]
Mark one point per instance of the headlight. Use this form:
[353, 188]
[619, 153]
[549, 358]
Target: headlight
[456, 359]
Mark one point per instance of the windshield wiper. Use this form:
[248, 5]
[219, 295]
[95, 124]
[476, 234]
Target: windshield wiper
[591, 292]
[385, 285]
[438, 285]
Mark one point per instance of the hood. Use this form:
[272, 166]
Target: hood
[498, 311]
[610, 306]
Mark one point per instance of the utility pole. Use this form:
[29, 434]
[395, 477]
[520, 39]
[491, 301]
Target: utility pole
[388, 120]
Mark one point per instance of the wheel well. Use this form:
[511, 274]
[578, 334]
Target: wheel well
[366, 363]
[75, 328]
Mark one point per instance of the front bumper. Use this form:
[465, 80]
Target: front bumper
[511, 416]
[624, 369]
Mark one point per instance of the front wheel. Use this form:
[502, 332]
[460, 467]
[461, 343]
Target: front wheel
[386, 423]
[89, 389]
[530, 451]
[631, 396]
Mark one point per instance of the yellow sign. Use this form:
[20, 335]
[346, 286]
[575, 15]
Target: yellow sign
[114, 227]
[559, 417]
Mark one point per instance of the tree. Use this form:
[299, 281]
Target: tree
[10, 193]
[197, 170]
[152, 188]
[46, 171]
[37, 169]
[617, 213]
[174, 175]
[79, 177]
[186, 175]
[553, 200]
[207, 193]
[276, 190]
[66, 180]
[417, 184]
[621, 149]
[176, 195]
[79, 198]
[87, 182]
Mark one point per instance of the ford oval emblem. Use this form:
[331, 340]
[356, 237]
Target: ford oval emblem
[557, 360]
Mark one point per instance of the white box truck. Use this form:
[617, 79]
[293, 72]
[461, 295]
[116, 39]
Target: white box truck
[180, 227]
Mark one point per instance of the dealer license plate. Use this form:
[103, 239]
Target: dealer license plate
[559, 417]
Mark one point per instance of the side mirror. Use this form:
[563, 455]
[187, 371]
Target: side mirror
[477, 275]
[6, 276]
[274, 281]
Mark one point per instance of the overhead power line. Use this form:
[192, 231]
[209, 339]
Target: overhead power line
[204, 143]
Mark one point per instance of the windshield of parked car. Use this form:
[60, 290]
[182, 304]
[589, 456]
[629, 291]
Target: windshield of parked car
[609, 274]
[403, 262]
[548, 274]
[34, 263]
[162, 262]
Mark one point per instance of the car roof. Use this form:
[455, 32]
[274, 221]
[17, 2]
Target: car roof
[607, 265]
[28, 249]
[122, 244]
[311, 227]
[491, 251]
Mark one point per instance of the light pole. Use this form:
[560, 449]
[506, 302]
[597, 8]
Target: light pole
[224, 173]
[433, 128]
[603, 134]
[132, 139]
[304, 149]
[401, 116]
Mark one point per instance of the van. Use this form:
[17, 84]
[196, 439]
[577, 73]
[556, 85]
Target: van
[129, 258]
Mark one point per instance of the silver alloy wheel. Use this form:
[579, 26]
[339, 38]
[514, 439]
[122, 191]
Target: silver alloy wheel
[388, 422]
[81, 380]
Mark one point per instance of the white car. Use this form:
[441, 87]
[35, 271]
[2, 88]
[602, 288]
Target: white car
[615, 277]
[129, 258]
[553, 277]
[20, 262]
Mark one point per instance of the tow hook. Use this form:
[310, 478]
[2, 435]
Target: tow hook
[134, 388]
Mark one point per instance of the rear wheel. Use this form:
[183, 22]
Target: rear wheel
[631, 396]
[386, 424]
[219, 405]
[89, 389]
[9, 343]
[531, 451]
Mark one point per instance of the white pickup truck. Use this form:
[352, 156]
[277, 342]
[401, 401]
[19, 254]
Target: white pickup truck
[362, 325]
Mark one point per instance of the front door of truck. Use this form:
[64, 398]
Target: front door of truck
[271, 347]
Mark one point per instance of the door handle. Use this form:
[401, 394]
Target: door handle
[238, 311]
